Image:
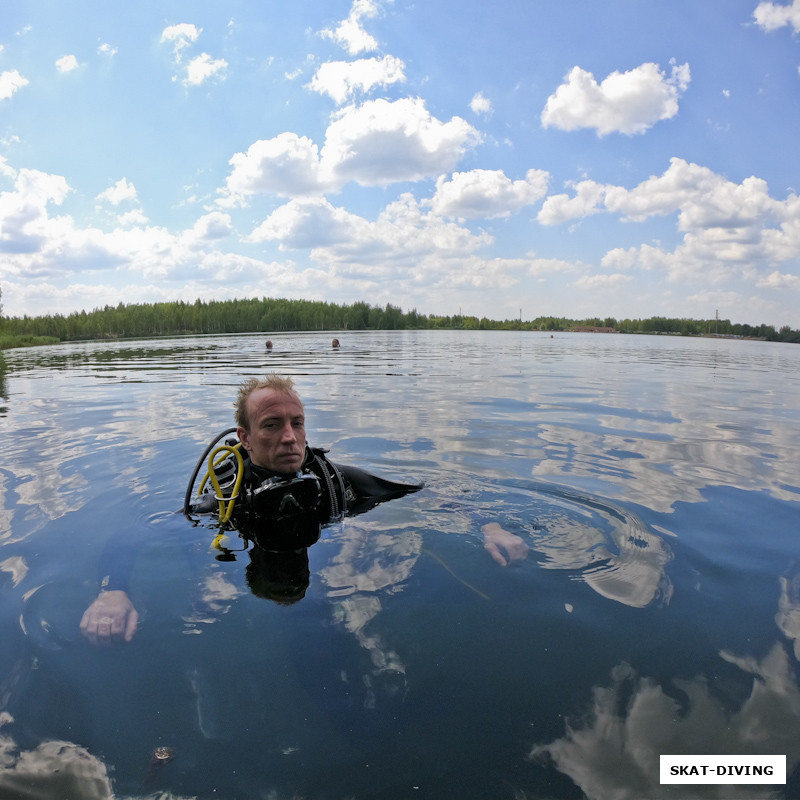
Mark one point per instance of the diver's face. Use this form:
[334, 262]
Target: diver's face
[276, 438]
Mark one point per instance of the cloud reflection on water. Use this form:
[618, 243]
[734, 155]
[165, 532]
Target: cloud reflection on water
[629, 571]
[53, 769]
[671, 463]
[614, 752]
[649, 421]
[372, 560]
[788, 616]
[650, 418]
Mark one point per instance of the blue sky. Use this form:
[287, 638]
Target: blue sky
[625, 158]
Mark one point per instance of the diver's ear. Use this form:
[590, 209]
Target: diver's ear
[243, 437]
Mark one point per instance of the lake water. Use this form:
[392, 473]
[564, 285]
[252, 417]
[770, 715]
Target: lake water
[655, 480]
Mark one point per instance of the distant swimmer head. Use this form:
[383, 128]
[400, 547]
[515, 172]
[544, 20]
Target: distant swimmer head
[269, 344]
[335, 343]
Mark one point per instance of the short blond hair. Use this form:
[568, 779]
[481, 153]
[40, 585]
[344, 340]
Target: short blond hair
[276, 382]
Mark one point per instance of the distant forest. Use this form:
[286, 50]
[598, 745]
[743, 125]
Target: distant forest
[269, 315]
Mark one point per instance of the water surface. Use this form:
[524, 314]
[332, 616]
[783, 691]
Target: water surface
[653, 479]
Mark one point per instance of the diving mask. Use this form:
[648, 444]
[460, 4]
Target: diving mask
[278, 497]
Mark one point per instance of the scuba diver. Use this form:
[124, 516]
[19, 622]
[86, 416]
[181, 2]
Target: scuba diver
[269, 486]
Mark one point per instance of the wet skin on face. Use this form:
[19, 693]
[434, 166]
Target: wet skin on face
[276, 434]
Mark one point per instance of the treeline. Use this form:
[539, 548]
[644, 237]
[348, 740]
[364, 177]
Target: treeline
[655, 325]
[694, 327]
[275, 315]
[7, 341]
[216, 316]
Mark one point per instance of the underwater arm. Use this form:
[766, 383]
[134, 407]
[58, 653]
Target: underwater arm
[503, 546]
[111, 616]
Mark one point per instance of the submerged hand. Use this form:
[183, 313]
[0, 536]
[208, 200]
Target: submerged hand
[503, 546]
[110, 617]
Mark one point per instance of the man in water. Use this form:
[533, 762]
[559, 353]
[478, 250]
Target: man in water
[271, 428]
[271, 424]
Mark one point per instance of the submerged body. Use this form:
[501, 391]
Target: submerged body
[279, 511]
[279, 494]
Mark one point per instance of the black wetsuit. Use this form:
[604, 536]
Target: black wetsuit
[344, 491]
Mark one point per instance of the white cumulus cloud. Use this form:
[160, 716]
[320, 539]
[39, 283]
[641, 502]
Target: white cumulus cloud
[342, 79]
[131, 218]
[10, 82]
[625, 102]
[309, 223]
[381, 142]
[602, 281]
[727, 227]
[771, 16]
[67, 63]
[487, 193]
[700, 197]
[480, 104]
[120, 191]
[560, 208]
[402, 232]
[24, 221]
[212, 227]
[202, 67]
[180, 37]
[350, 33]
[374, 144]
[780, 280]
[405, 243]
[287, 165]
[6, 168]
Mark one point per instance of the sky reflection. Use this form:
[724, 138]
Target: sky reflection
[653, 481]
[631, 722]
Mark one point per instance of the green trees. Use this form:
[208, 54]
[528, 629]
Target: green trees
[786, 334]
[216, 316]
[694, 327]
[280, 314]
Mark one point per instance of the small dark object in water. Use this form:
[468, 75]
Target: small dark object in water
[269, 344]
[335, 343]
[160, 757]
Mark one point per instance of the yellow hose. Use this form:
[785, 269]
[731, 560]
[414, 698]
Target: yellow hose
[216, 457]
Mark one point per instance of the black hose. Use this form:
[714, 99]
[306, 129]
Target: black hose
[334, 510]
[187, 499]
[342, 486]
